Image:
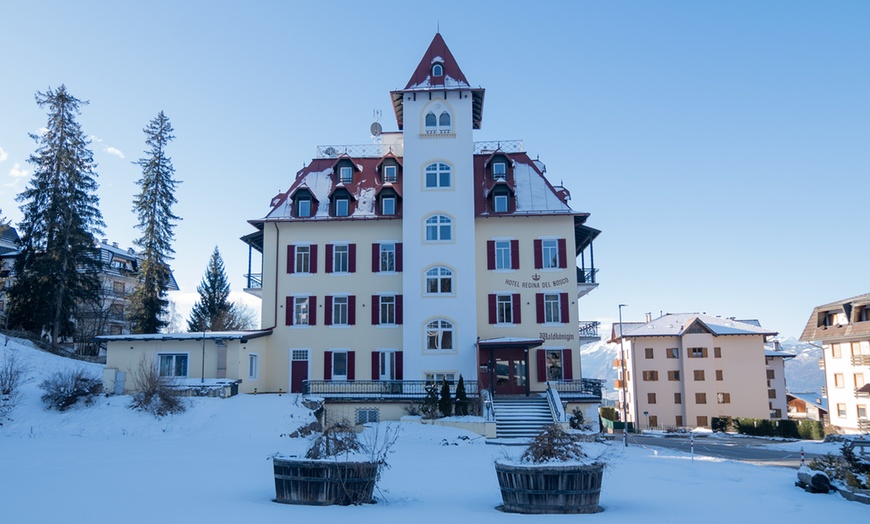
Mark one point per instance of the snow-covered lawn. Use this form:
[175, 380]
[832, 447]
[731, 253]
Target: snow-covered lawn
[106, 463]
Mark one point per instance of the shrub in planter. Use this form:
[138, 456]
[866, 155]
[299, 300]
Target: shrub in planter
[553, 475]
[338, 468]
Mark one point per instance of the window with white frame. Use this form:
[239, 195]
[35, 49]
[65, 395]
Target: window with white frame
[300, 311]
[431, 121]
[387, 257]
[554, 364]
[339, 311]
[303, 259]
[340, 258]
[439, 228]
[391, 173]
[388, 205]
[550, 251]
[439, 335]
[552, 308]
[436, 377]
[499, 170]
[367, 415]
[345, 174]
[303, 207]
[387, 306]
[437, 70]
[339, 365]
[172, 364]
[500, 202]
[342, 206]
[439, 280]
[503, 254]
[504, 309]
[253, 366]
[438, 176]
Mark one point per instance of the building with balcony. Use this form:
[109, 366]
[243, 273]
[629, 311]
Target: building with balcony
[682, 370]
[422, 256]
[843, 329]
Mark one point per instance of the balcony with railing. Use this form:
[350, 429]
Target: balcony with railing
[583, 389]
[254, 284]
[588, 330]
[861, 360]
[396, 148]
[822, 364]
[386, 390]
[586, 280]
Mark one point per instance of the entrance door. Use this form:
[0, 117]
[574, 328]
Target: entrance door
[298, 369]
[511, 371]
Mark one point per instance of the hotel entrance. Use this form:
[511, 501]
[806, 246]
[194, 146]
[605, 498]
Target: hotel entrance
[504, 365]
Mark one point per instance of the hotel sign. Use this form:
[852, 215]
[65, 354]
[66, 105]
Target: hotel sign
[537, 283]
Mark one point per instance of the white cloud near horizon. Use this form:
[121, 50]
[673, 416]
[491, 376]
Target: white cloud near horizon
[114, 151]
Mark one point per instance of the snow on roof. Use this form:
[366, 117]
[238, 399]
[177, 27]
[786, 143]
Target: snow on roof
[811, 397]
[533, 191]
[673, 324]
[207, 335]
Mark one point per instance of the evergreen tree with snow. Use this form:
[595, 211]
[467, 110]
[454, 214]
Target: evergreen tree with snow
[214, 311]
[58, 263]
[445, 403]
[153, 207]
[461, 398]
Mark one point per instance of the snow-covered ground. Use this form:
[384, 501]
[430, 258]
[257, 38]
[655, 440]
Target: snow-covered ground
[107, 463]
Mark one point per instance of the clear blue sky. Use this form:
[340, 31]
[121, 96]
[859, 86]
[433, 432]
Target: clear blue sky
[723, 148]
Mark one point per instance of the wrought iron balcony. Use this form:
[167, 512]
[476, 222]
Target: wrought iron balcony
[379, 389]
[587, 388]
[589, 329]
[255, 280]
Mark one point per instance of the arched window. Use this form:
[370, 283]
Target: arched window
[439, 228]
[431, 121]
[442, 124]
[439, 335]
[437, 70]
[438, 175]
[439, 281]
[444, 120]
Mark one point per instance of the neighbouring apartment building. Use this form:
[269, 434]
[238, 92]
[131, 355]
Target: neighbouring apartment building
[421, 256]
[682, 370]
[843, 329]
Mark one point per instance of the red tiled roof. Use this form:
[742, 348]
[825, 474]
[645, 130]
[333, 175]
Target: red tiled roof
[437, 50]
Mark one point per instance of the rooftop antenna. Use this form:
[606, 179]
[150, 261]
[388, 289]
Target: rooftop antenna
[376, 128]
[438, 26]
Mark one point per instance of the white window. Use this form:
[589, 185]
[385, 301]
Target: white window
[387, 364]
[438, 175]
[550, 250]
[253, 366]
[367, 415]
[437, 70]
[431, 121]
[388, 205]
[499, 170]
[300, 311]
[303, 207]
[390, 173]
[342, 207]
[339, 311]
[172, 364]
[340, 258]
[503, 254]
[346, 174]
[504, 309]
[388, 257]
[339, 365]
[439, 228]
[437, 377]
[500, 203]
[552, 309]
[440, 124]
[303, 259]
[439, 335]
[439, 280]
[444, 122]
[387, 304]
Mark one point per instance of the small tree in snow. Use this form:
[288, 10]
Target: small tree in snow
[445, 404]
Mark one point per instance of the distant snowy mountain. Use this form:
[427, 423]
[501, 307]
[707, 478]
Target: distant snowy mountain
[802, 373]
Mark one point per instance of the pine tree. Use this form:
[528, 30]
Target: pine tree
[445, 404]
[461, 397]
[58, 264]
[153, 206]
[213, 311]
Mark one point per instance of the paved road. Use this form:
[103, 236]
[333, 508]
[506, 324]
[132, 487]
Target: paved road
[742, 449]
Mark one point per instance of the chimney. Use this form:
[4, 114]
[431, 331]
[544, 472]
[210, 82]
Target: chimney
[648, 318]
[114, 244]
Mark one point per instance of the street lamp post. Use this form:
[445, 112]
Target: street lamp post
[624, 396]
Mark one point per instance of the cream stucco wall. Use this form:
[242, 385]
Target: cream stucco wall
[842, 378]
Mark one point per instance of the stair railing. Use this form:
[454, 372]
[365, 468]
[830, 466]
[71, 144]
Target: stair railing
[555, 402]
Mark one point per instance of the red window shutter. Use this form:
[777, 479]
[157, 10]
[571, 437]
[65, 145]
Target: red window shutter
[567, 365]
[313, 258]
[539, 254]
[399, 361]
[399, 307]
[327, 314]
[539, 306]
[351, 365]
[515, 254]
[376, 258]
[515, 306]
[329, 258]
[398, 256]
[312, 311]
[351, 310]
[563, 308]
[492, 312]
[490, 254]
[327, 365]
[351, 258]
[376, 310]
[541, 355]
[563, 253]
[291, 259]
[376, 365]
[288, 312]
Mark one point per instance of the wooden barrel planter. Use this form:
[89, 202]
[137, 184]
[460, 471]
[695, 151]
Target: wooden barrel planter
[324, 482]
[568, 488]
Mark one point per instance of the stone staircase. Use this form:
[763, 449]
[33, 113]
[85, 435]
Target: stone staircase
[521, 417]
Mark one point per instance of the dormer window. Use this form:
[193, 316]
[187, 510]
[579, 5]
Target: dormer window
[499, 170]
[391, 173]
[437, 70]
[388, 205]
[303, 207]
[500, 203]
[342, 206]
[345, 174]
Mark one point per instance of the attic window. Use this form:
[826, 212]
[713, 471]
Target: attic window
[345, 174]
[303, 207]
[499, 170]
[390, 173]
[342, 207]
[437, 70]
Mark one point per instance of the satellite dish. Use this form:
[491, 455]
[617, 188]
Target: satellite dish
[376, 129]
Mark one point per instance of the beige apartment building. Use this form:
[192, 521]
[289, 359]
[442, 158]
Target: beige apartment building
[682, 370]
[843, 329]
